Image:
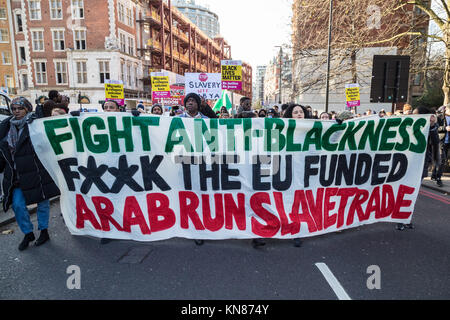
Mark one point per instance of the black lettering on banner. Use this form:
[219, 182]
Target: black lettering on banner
[124, 176]
[226, 172]
[363, 167]
[380, 169]
[309, 170]
[258, 173]
[93, 175]
[68, 174]
[277, 183]
[150, 175]
[401, 161]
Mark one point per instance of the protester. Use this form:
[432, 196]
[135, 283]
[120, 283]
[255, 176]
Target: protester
[245, 104]
[309, 111]
[434, 144]
[272, 113]
[39, 106]
[25, 180]
[407, 109]
[224, 115]
[140, 107]
[111, 106]
[59, 110]
[444, 134]
[156, 109]
[175, 111]
[284, 106]
[47, 108]
[192, 103]
[206, 110]
[315, 114]
[324, 116]
[262, 113]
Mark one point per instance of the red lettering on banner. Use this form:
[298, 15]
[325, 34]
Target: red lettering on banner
[84, 213]
[305, 216]
[373, 205]
[356, 206]
[235, 211]
[156, 212]
[286, 226]
[316, 207]
[387, 202]
[105, 209]
[216, 223]
[328, 220]
[189, 210]
[400, 202]
[345, 194]
[132, 215]
[272, 225]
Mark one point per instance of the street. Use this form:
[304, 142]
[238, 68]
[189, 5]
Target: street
[412, 264]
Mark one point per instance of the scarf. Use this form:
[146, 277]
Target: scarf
[15, 130]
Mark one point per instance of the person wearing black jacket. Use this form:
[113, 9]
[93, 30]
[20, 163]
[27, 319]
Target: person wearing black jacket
[25, 179]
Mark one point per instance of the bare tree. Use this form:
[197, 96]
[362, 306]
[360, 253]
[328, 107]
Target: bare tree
[358, 26]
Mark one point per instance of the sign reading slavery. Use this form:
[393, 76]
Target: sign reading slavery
[160, 85]
[114, 91]
[149, 178]
[206, 85]
[231, 75]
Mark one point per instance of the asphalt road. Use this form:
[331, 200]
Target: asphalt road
[413, 264]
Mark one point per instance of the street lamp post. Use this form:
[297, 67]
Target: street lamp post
[330, 28]
[281, 66]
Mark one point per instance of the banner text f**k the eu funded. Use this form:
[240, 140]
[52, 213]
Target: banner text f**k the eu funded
[150, 178]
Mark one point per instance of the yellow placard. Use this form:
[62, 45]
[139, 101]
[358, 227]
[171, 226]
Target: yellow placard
[352, 94]
[114, 91]
[231, 73]
[160, 84]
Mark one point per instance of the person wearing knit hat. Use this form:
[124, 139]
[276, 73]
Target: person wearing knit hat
[25, 180]
[192, 103]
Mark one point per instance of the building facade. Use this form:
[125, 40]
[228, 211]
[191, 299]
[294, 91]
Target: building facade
[201, 16]
[7, 80]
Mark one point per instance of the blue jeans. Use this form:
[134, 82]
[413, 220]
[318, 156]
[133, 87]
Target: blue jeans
[23, 216]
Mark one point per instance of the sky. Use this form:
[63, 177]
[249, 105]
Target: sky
[253, 27]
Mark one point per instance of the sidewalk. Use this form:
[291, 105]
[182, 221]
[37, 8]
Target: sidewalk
[431, 184]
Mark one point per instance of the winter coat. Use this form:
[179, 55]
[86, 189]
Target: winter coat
[24, 170]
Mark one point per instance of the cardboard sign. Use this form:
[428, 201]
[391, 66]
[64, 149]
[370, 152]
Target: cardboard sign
[232, 75]
[114, 91]
[160, 85]
[352, 95]
[206, 85]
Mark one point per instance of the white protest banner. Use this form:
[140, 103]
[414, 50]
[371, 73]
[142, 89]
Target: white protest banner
[150, 178]
[206, 85]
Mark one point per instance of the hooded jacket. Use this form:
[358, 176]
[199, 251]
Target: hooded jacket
[24, 170]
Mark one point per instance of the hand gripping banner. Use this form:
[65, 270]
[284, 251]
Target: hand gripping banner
[150, 178]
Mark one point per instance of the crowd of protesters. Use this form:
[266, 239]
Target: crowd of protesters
[27, 182]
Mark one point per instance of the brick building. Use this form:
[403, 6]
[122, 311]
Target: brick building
[6, 44]
[73, 46]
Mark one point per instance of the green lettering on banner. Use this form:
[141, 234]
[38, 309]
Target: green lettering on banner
[211, 136]
[178, 135]
[54, 139]
[371, 134]
[280, 140]
[326, 144]
[75, 125]
[125, 134]
[247, 124]
[405, 135]
[102, 140]
[421, 145]
[388, 134]
[143, 123]
[314, 136]
[230, 124]
[349, 136]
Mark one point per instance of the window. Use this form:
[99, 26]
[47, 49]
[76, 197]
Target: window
[130, 46]
[129, 17]
[9, 81]
[122, 72]
[136, 75]
[129, 75]
[56, 9]
[80, 39]
[22, 56]
[123, 44]
[121, 11]
[77, 9]
[3, 14]
[35, 9]
[81, 72]
[61, 72]
[6, 57]
[418, 79]
[24, 82]
[4, 36]
[104, 71]
[40, 68]
[19, 24]
[37, 37]
[58, 40]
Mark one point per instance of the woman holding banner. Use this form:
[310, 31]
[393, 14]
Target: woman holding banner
[25, 179]
[296, 111]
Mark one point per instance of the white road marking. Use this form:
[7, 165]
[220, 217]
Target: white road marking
[333, 282]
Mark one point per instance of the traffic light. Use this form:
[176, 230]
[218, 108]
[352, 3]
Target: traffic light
[390, 78]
